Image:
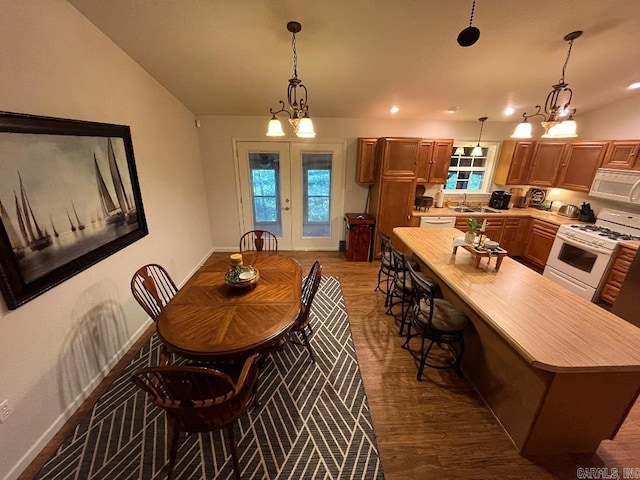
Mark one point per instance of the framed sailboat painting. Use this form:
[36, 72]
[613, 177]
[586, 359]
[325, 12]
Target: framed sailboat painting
[69, 197]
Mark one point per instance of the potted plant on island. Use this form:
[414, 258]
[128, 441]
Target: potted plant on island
[473, 227]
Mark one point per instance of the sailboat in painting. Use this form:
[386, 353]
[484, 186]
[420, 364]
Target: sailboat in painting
[125, 211]
[16, 244]
[33, 236]
[80, 225]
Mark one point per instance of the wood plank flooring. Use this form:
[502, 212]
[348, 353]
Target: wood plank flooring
[436, 428]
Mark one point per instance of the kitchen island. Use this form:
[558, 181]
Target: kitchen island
[559, 373]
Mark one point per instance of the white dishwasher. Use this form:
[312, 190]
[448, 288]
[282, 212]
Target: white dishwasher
[437, 222]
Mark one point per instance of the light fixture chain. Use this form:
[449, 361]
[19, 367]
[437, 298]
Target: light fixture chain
[473, 9]
[295, 55]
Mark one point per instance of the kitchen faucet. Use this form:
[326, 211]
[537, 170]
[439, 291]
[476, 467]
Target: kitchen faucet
[464, 199]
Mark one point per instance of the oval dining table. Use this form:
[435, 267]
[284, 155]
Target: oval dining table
[208, 320]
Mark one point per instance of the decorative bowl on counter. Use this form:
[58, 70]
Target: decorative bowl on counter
[491, 244]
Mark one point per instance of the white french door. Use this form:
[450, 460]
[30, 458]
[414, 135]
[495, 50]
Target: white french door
[295, 190]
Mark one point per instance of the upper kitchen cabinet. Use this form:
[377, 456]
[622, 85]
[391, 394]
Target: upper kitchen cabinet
[546, 160]
[398, 157]
[579, 164]
[513, 163]
[366, 161]
[622, 154]
[433, 161]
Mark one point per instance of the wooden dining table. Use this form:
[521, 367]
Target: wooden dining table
[209, 320]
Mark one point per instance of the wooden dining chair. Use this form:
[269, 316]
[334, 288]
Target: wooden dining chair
[258, 240]
[152, 287]
[199, 399]
[302, 324]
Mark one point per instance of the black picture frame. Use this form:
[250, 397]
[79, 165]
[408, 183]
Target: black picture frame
[69, 198]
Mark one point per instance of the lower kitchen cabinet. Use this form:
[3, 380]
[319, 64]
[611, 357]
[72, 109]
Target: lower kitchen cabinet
[617, 273]
[541, 237]
[514, 236]
[493, 229]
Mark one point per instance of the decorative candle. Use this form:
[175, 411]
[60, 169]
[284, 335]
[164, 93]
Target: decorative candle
[236, 259]
[484, 225]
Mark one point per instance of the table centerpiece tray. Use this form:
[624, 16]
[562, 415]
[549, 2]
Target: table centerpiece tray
[242, 276]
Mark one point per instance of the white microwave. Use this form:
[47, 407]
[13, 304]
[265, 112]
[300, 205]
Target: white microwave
[619, 185]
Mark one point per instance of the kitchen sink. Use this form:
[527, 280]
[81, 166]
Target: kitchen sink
[464, 208]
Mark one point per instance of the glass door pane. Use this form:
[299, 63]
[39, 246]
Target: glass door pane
[316, 191]
[265, 189]
[264, 171]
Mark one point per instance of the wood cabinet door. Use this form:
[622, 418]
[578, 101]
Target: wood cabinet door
[513, 162]
[366, 161]
[514, 236]
[545, 163]
[440, 161]
[394, 205]
[424, 161]
[541, 238]
[622, 154]
[398, 156]
[579, 164]
[520, 163]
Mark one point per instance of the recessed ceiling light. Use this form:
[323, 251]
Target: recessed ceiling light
[634, 86]
[452, 109]
[394, 109]
[509, 111]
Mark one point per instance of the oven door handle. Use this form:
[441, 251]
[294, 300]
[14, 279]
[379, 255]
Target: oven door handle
[578, 243]
[633, 189]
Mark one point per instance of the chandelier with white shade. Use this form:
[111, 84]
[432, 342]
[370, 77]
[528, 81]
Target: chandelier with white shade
[558, 113]
[297, 108]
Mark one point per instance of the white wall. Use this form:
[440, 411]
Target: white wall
[56, 63]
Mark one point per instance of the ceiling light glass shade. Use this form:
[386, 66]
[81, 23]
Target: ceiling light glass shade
[523, 130]
[459, 151]
[566, 129]
[305, 128]
[275, 128]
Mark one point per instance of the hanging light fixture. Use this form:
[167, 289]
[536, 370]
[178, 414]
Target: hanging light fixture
[469, 35]
[558, 114]
[297, 107]
[459, 151]
[477, 150]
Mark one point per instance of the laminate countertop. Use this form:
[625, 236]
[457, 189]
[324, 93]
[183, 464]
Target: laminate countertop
[551, 328]
[551, 216]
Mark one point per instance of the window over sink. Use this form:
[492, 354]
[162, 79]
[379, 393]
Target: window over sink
[471, 174]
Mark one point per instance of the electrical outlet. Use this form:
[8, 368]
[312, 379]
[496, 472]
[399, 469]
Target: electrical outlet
[5, 413]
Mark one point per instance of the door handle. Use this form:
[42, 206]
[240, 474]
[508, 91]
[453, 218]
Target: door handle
[285, 208]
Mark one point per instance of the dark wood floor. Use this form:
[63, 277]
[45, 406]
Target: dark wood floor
[436, 428]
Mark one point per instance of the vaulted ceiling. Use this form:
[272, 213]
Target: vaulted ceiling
[358, 57]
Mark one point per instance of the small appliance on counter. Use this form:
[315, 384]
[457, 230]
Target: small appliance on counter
[500, 200]
[518, 198]
[586, 214]
[569, 211]
[421, 201]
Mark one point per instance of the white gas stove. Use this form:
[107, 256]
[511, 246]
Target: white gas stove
[582, 253]
[611, 227]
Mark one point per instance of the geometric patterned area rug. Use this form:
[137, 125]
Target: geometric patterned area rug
[314, 421]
